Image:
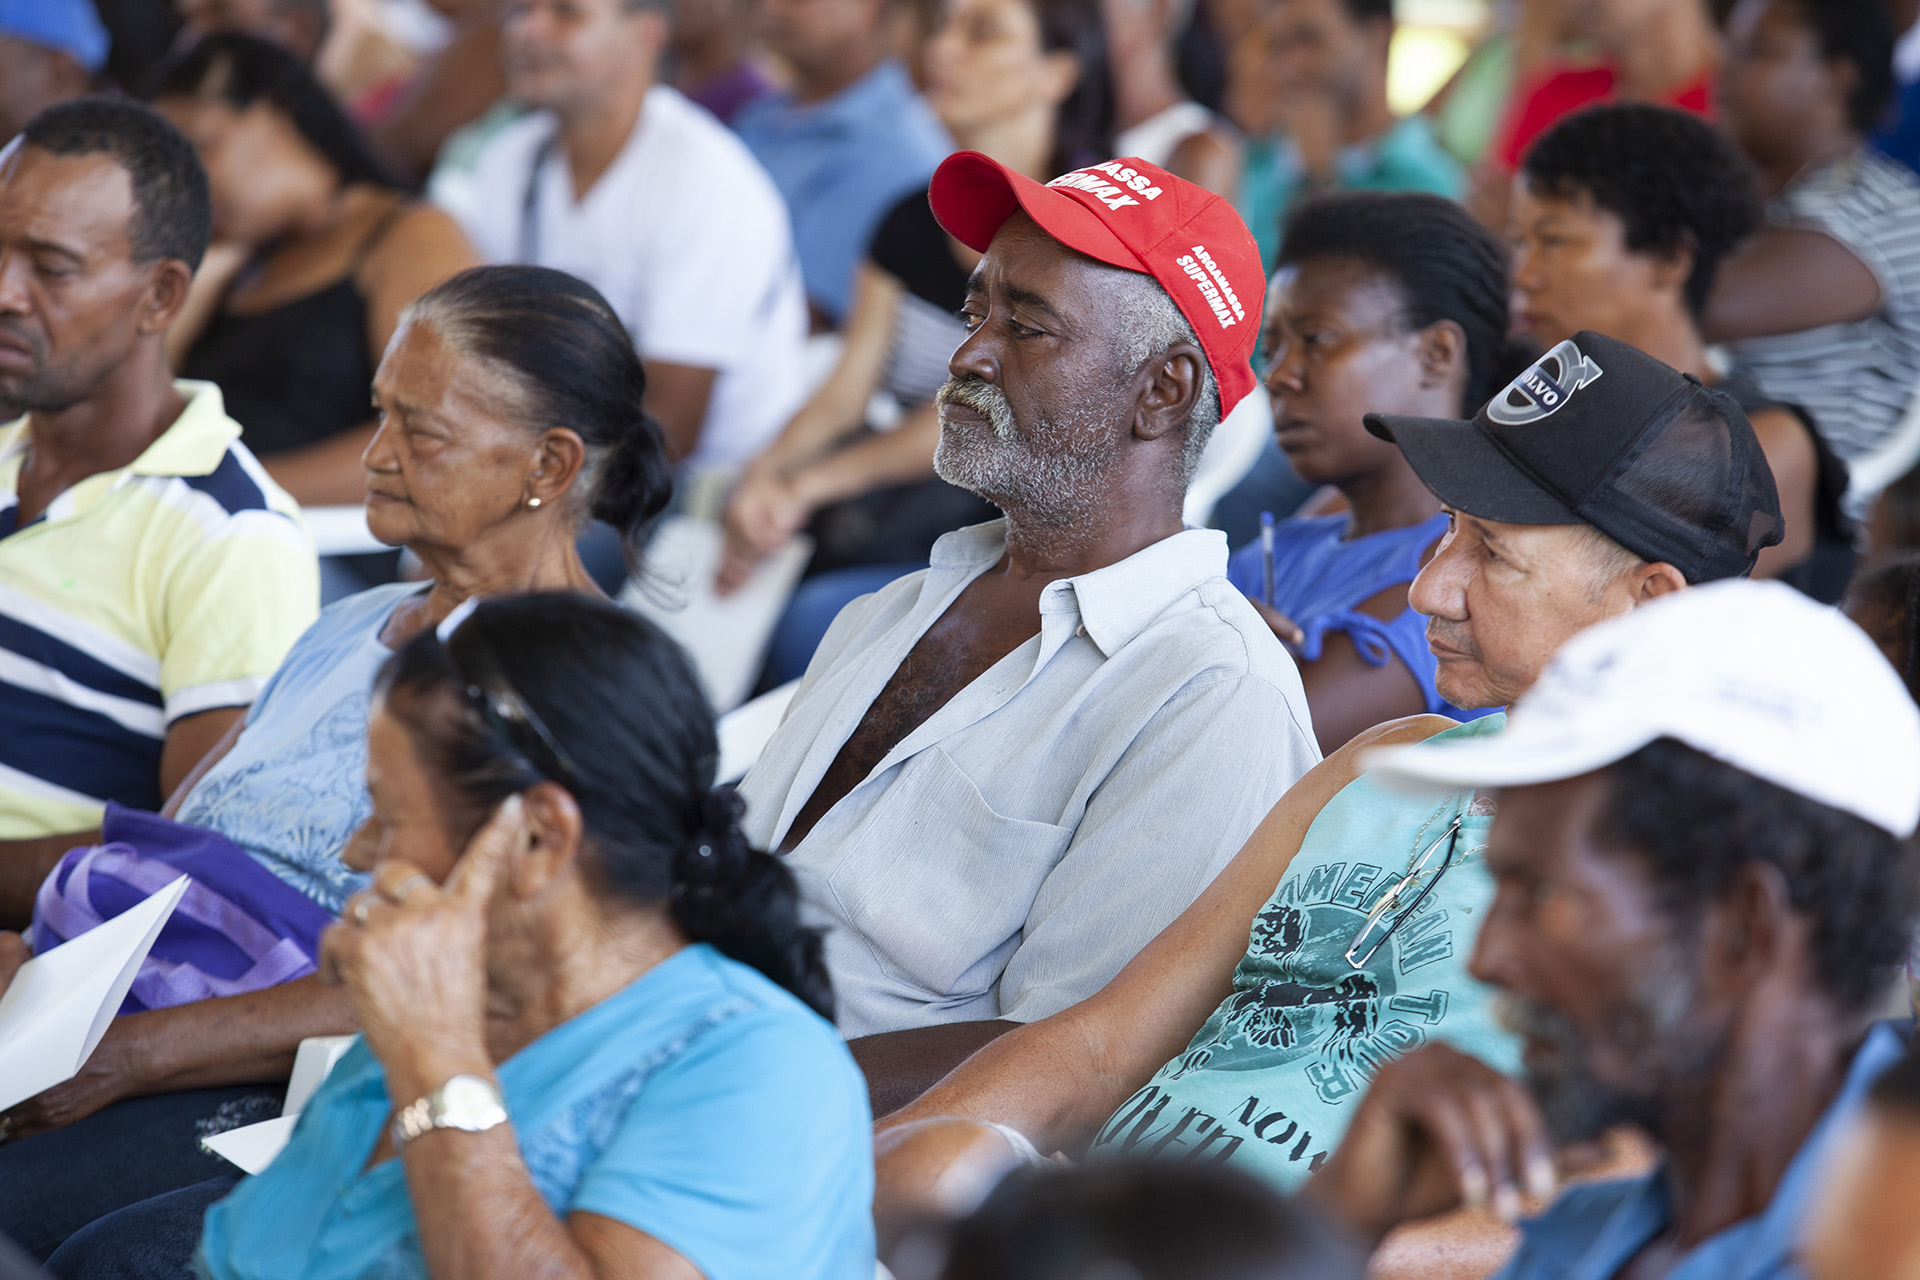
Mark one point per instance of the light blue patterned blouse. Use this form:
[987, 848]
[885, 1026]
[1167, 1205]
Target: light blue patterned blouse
[701, 1104]
[294, 787]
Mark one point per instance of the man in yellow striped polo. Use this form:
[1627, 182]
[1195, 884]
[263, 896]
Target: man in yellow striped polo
[151, 575]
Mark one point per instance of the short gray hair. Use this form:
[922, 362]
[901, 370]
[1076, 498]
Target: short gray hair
[1150, 324]
[1606, 559]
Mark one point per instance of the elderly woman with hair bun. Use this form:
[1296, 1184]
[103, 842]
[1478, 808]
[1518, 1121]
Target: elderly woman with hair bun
[594, 1033]
[509, 414]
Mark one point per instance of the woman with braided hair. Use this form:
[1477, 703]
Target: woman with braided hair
[594, 1034]
[1384, 303]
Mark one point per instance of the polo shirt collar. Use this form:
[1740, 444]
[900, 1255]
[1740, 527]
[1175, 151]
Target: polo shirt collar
[1112, 604]
[198, 440]
[194, 445]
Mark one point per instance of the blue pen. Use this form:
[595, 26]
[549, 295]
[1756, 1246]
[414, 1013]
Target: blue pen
[1266, 557]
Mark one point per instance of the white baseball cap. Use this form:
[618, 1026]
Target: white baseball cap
[1753, 674]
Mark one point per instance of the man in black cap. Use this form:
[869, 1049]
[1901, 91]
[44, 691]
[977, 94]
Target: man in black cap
[1338, 937]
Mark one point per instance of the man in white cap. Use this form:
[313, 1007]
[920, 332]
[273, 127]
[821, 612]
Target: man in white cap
[1705, 880]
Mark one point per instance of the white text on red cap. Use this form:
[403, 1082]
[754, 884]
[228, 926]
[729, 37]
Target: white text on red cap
[1114, 197]
[1212, 289]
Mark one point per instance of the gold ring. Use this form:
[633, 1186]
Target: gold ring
[407, 886]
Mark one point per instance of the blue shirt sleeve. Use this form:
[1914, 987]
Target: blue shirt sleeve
[751, 1156]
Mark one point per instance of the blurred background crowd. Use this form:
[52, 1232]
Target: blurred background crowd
[793, 300]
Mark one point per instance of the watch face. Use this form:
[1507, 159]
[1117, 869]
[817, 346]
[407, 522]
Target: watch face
[469, 1101]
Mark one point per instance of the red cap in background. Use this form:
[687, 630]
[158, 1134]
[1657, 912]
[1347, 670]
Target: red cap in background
[1134, 215]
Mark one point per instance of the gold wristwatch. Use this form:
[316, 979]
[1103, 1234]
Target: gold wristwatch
[465, 1102]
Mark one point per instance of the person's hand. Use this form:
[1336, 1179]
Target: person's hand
[411, 955]
[1437, 1130]
[13, 954]
[763, 512]
[1314, 122]
[111, 1073]
[1286, 628]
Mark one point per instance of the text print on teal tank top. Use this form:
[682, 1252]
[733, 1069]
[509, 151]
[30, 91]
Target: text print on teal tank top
[1270, 1081]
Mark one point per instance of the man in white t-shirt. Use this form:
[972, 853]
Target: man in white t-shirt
[625, 183]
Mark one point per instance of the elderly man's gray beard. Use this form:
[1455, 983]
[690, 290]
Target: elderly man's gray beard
[1667, 1045]
[1052, 473]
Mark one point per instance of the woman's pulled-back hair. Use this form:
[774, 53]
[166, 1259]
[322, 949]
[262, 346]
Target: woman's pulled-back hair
[1444, 263]
[1885, 599]
[575, 368]
[241, 70]
[624, 727]
[1083, 122]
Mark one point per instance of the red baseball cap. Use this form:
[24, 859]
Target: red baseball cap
[1130, 214]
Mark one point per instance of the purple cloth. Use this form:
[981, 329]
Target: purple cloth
[238, 927]
[731, 90]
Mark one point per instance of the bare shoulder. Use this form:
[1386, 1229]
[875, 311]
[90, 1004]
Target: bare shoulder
[420, 234]
[1397, 733]
[1782, 434]
[1288, 820]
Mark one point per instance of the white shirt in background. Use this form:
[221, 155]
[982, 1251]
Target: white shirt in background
[1156, 138]
[688, 239]
[1014, 851]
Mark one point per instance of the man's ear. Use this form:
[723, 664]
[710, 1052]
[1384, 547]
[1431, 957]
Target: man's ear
[554, 829]
[166, 294]
[1748, 928]
[654, 31]
[1167, 401]
[1651, 581]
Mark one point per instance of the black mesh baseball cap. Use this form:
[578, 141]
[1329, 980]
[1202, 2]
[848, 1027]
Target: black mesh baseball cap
[1597, 432]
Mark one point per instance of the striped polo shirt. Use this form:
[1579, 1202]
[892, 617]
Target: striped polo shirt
[170, 586]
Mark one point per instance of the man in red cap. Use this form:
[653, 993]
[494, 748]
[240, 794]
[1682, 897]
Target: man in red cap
[1002, 776]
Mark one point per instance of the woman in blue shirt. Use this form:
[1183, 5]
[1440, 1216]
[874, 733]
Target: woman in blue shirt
[1384, 303]
[594, 1034]
[510, 409]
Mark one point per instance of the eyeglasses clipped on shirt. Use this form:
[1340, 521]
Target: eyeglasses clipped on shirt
[1388, 914]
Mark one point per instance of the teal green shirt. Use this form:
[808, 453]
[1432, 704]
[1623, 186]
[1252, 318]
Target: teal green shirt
[1271, 1081]
[1406, 157]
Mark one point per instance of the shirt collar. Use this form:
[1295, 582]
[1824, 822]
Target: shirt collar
[1113, 603]
[198, 440]
[882, 89]
[194, 445]
[1769, 1239]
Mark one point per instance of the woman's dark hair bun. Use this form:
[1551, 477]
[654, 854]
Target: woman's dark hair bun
[635, 482]
[623, 704]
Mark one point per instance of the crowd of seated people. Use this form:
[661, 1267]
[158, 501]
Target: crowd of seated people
[1462, 869]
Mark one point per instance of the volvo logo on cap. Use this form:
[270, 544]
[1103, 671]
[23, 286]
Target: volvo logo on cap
[1545, 387]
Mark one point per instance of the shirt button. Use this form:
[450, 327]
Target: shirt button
[1081, 630]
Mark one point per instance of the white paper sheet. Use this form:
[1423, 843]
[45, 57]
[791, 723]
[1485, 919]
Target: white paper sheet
[60, 1003]
[312, 1064]
[252, 1146]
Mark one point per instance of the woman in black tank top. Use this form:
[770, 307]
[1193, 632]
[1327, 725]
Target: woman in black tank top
[318, 253]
